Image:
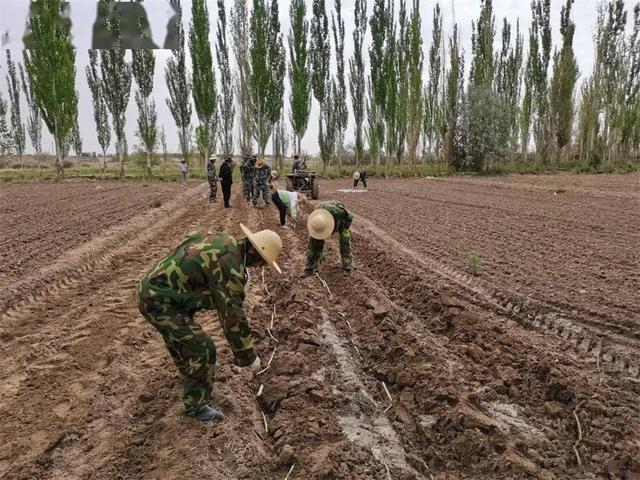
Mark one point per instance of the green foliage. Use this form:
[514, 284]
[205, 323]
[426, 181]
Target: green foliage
[340, 95]
[433, 122]
[299, 74]
[357, 81]
[241, 36]
[179, 101]
[100, 110]
[415, 62]
[17, 127]
[488, 128]
[34, 119]
[116, 86]
[482, 66]
[470, 256]
[227, 106]
[377, 80]
[50, 65]
[203, 78]
[143, 67]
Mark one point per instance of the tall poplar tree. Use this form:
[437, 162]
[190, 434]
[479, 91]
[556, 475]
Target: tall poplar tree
[100, 110]
[50, 65]
[453, 97]
[433, 108]
[357, 80]
[341, 110]
[277, 64]
[143, 66]
[378, 82]
[17, 127]
[241, 40]
[320, 63]
[34, 119]
[203, 79]
[563, 83]
[116, 85]
[542, 126]
[299, 71]
[415, 62]
[227, 106]
[179, 101]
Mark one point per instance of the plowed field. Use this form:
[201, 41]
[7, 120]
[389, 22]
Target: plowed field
[490, 330]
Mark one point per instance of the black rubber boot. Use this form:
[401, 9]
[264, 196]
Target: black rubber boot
[208, 414]
[306, 274]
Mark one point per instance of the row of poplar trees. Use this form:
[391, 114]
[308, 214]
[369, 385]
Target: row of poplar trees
[405, 106]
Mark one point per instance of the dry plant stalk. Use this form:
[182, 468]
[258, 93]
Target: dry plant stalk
[264, 418]
[273, 316]
[264, 285]
[260, 390]
[386, 390]
[289, 473]
[271, 335]
[386, 467]
[575, 445]
[325, 285]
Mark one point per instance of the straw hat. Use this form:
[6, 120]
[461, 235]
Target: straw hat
[320, 224]
[356, 175]
[267, 243]
[274, 174]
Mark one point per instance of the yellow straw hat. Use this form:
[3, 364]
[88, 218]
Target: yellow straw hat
[320, 224]
[267, 243]
[356, 175]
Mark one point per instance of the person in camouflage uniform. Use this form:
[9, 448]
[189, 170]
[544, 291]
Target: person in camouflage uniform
[205, 275]
[327, 219]
[247, 169]
[212, 176]
[261, 183]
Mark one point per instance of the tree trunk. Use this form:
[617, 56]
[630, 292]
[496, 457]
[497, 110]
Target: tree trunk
[120, 157]
[59, 159]
[104, 162]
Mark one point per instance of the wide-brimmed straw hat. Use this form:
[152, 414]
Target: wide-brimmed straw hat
[267, 243]
[274, 174]
[356, 175]
[320, 224]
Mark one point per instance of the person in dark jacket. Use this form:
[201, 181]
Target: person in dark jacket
[226, 179]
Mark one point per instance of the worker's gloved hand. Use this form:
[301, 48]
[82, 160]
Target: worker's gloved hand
[255, 366]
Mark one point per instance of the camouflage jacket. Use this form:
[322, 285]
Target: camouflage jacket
[247, 170]
[262, 174]
[341, 215]
[211, 171]
[201, 275]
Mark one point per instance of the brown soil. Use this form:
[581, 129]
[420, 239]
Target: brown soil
[478, 390]
[41, 221]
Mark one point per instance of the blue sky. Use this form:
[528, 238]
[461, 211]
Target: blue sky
[460, 11]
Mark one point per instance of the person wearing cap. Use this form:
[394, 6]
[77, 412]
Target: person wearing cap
[184, 170]
[205, 275]
[247, 170]
[327, 219]
[360, 176]
[287, 204]
[226, 180]
[261, 182]
[297, 164]
[212, 176]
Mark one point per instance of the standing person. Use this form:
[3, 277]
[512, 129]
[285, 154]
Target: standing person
[360, 176]
[226, 180]
[212, 176]
[261, 183]
[287, 204]
[205, 275]
[184, 170]
[247, 169]
[326, 219]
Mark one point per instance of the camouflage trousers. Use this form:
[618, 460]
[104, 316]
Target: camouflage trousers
[260, 188]
[315, 252]
[213, 189]
[192, 350]
[247, 189]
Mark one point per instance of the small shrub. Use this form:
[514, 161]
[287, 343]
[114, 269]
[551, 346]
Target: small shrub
[471, 258]
[67, 164]
[156, 202]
